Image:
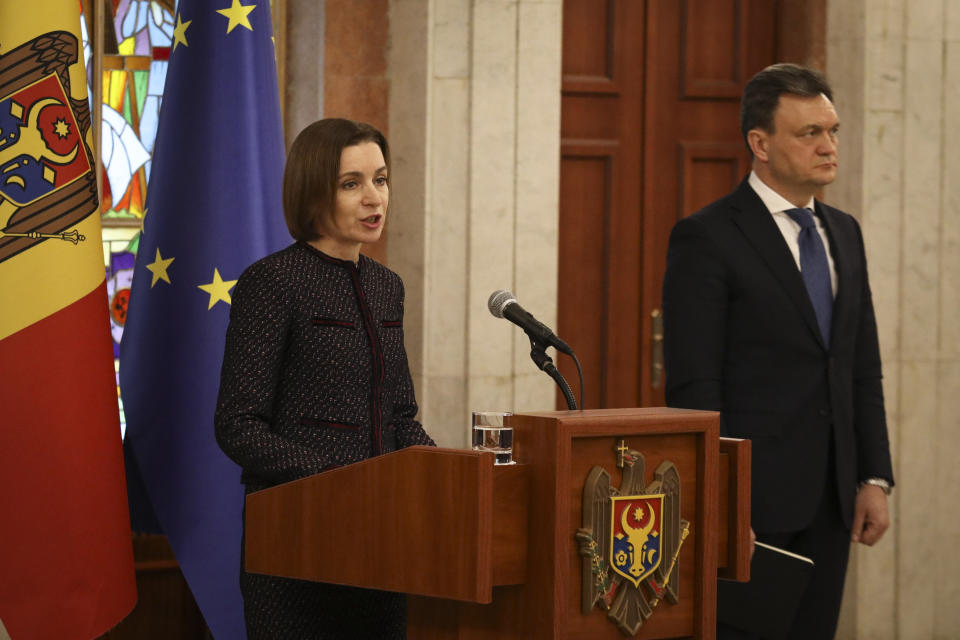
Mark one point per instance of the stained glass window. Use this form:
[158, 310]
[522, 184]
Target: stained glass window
[132, 92]
[134, 68]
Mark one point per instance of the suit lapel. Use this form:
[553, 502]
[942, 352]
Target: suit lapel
[756, 223]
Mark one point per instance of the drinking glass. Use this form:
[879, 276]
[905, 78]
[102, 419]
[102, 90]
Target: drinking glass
[492, 432]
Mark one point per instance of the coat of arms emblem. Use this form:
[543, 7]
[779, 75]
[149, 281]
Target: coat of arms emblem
[47, 181]
[630, 540]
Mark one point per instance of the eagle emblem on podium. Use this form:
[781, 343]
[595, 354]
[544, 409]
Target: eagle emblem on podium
[630, 540]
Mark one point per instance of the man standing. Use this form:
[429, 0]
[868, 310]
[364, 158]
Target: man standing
[768, 319]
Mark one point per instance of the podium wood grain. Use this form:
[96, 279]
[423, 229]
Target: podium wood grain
[489, 551]
[420, 520]
[560, 448]
[734, 511]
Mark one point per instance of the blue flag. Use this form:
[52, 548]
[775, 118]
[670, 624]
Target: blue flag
[213, 207]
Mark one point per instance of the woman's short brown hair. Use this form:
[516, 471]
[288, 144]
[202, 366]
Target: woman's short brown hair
[313, 164]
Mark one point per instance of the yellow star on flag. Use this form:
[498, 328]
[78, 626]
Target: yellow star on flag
[219, 289]
[237, 14]
[180, 33]
[159, 269]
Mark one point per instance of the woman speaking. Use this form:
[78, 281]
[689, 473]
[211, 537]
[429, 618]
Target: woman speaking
[315, 374]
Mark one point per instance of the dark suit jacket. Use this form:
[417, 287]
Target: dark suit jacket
[741, 337]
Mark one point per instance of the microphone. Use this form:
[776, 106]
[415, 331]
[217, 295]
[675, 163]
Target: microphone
[502, 304]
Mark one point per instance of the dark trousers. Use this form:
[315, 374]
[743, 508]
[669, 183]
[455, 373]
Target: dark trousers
[827, 542]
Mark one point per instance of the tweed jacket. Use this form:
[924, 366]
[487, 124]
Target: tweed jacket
[315, 373]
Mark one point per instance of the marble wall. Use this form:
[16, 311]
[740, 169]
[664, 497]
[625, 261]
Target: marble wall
[304, 27]
[475, 125]
[895, 68]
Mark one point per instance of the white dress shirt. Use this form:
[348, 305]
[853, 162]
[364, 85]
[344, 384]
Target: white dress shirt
[777, 205]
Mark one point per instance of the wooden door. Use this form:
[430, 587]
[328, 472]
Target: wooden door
[649, 133]
[601, 173]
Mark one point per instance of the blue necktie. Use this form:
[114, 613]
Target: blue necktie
[814, 269]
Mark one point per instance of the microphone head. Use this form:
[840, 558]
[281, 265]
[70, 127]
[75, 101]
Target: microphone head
[498, 301]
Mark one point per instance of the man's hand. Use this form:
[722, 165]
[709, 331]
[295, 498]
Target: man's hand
[753, 542]
[870, 515]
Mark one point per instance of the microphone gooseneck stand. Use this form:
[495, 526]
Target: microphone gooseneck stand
[502, 304]
[545, 364]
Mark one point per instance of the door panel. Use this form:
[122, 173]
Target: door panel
[586, 191]
[649, 133]
[600, 174]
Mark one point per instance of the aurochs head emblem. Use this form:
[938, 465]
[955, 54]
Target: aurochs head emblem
[635, 536]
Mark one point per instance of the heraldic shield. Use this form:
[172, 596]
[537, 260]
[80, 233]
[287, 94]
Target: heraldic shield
[47, 178]
[42, 149]
[635, 535]
[630, 540]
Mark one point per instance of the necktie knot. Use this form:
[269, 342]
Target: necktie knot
[803, 217]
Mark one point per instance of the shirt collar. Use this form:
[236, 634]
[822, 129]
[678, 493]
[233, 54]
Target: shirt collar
[771, 199]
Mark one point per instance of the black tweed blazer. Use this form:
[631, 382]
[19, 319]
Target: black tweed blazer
[315, 373]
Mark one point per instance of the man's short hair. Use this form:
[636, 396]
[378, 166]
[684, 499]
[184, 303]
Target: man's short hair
[313, 165]
[763, 91]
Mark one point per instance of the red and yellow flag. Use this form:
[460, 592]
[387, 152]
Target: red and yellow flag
[66, 566]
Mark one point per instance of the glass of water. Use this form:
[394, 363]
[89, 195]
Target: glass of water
[492, 432]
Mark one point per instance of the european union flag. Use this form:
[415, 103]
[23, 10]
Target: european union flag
[213, 207]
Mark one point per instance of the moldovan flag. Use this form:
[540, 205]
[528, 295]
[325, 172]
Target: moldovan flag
[66, 563]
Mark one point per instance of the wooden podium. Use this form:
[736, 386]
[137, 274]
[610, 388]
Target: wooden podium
[491, 551]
